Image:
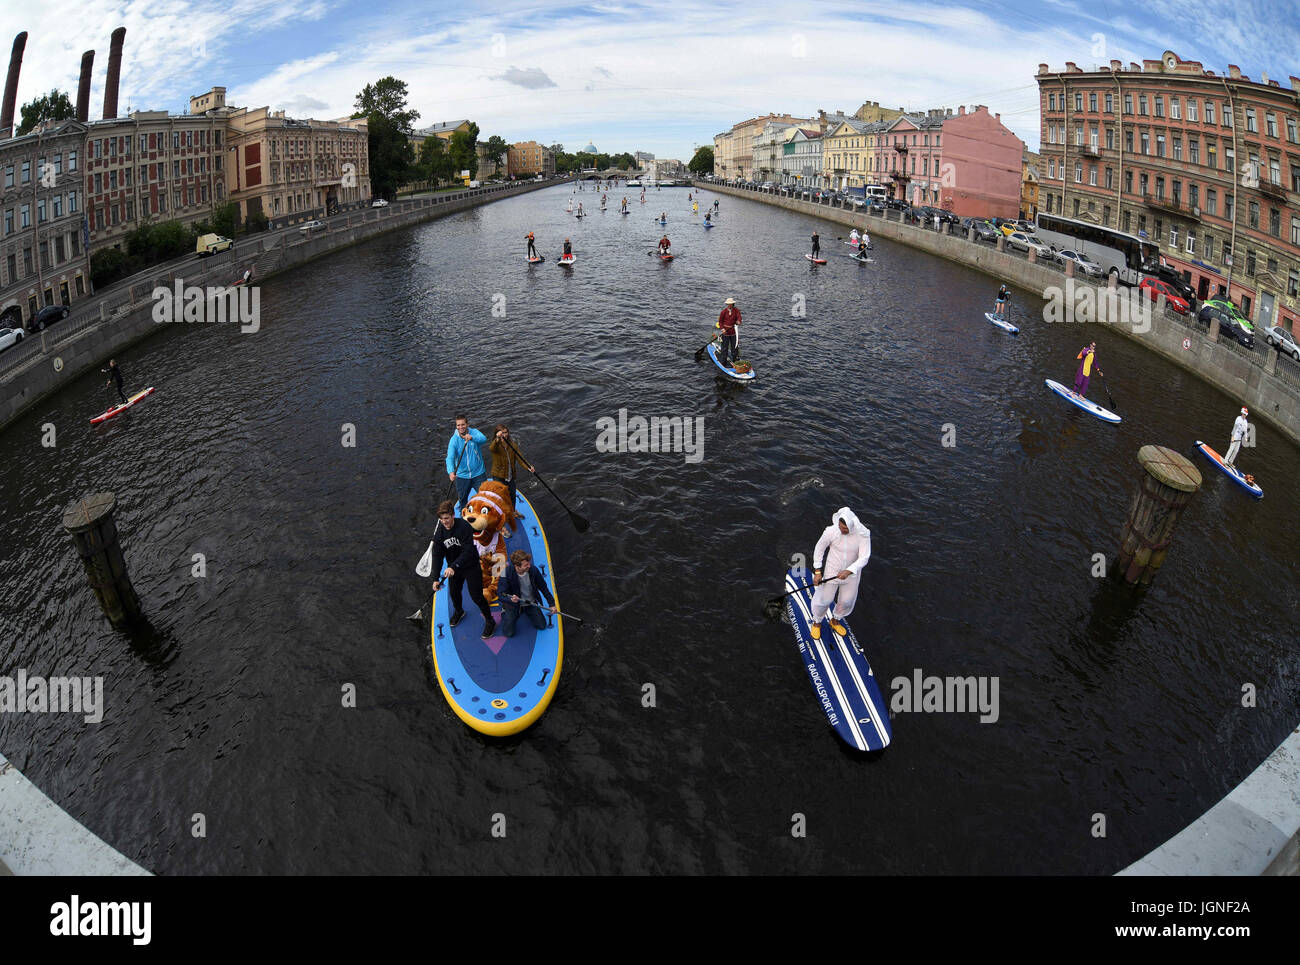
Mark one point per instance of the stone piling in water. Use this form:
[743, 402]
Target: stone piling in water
[1168, 485]
[90, 523]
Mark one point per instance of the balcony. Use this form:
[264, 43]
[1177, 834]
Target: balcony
[900, 148]
[899, 176]
[1172, 206]
[1090, 150]
[1272, 190]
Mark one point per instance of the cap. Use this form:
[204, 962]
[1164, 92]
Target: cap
[1244, 411]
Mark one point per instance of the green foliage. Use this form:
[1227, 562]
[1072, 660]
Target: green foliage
[108, 265]
[386, 97]
[54, 106]
[435, 163]
[496, 148]
[256, 221]
[225, 219]
[463, 155]
[702, 162]
[391, 156]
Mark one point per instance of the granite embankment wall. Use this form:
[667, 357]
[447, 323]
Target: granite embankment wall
[1270, 386]
[44, 362]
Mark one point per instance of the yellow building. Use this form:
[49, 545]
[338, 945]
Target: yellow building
[1029, 186]
[443, 130]
[871, 112]
[844, 154]
[527, 159]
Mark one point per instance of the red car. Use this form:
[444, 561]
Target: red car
[1154, 288]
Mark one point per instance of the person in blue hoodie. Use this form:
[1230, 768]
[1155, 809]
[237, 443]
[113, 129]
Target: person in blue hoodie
[464, 460]
[523, 590]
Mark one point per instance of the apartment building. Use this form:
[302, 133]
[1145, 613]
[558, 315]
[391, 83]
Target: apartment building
[528, 159]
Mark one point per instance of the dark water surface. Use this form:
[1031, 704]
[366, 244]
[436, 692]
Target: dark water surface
[1110, 703]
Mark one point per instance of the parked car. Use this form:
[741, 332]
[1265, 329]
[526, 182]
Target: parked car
[897, 204]
[1230, 322]
[47, 316]
[876, 204]
[1277, 336]
[1173, 278]
[1227, 307]
[10, 336]
[1010, 227]
[984, 230]
[1154, 288]
[1024, 242]
[1082, 263]
[308, 225]
[381, 203]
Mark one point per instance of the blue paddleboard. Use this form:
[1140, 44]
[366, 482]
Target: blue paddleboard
[1001, 323]
[1233, 473]
[1105, 415]
[500, 686]
[840, 673]
[727, 370]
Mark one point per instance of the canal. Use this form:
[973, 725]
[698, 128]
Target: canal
[231, 703]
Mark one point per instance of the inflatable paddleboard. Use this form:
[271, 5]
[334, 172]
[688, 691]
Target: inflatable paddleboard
[537, 261]
[727, 370]
[1091, 407]
[854, 244]
[816, 261]
[860, 259]
[501, 685]
[661, 222]
[121, 407]
[665, 257]
[1232, 472]
[1001, 324]
[625, 212]
[709, 224]
[566, 262]
[840, 673]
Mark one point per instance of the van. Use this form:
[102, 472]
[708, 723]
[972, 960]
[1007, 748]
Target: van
[211, 244]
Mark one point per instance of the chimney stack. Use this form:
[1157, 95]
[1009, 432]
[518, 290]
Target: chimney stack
[11, 86]
[114, 70]
[83, 87]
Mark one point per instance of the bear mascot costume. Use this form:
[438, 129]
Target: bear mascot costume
[489, 511]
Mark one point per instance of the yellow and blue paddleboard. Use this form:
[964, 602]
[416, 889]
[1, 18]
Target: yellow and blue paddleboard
[500, 686]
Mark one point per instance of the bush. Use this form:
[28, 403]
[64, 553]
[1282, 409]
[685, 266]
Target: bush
[109, 265]
[256, 221]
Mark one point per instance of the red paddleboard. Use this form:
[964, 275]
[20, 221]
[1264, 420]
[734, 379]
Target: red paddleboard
[816, 261]
[665, 257]
[123, 407]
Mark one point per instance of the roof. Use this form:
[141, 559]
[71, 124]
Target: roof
[442, 128]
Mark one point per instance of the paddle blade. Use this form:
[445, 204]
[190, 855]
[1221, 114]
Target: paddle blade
[425, 566]
[579, 522]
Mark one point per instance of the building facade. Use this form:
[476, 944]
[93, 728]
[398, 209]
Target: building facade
[801, 158]
[846, 151]
[288, 169]
[44, 256]
[1204, 166]
[528, 159]
[738, 161]
[1029, 186]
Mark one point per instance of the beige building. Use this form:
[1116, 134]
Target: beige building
[738, 144]
[527, 159]
[287, 169]
[871, 112]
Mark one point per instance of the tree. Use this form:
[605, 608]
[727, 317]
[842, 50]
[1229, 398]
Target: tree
[496, 149]
[464, 157]
[435, 163]
[225, 218]
[386, 97]
[624, 161]
[54, 106]
[391, 156]
[702, 163]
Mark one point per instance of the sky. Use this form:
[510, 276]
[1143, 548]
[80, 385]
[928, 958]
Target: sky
[629, 76]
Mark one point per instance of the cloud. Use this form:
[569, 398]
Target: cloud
[603, 72]
[534, 78]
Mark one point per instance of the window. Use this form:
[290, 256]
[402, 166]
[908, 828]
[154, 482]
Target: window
[1194, 150]
[1160, 188]
[1128, 221]
[27, 172]
[99, 149]
[1178, 149]
[27, 262]
[1209, 247]
[72, 160]
[1251, 127]
[1076, 207]
[176, 169]
[1142, 225]
[9, 221]
[1092, 102]
[1128, 141]
[1209, 112]
[115, 218]
[1252, 214]
[58, 249]
[1291, 130]
[1175, 108]
[1250, 262]
[1092, 175]
[1293, 284]
[9, 176]
[1146, 143]
[1160, 106]
[1194, 195]
[58, 206]
[1160, 229]
[1173, 237]
[1270, 124]
[1191, 109]
[1110, 179]
[1226, 114]
[1212, 156]
[1128, 103]
[1078, 101]
[1110, 103]
[1275, 222]
[1229, 160]
[1160, 145]
[1078, 172]
[1274, 170]
[1105, 215]
[1229, 206]
[1144, 182]
[112, 180]
[1092, 138]
[144, 141]
[1177, 188]
[25, 216]
[1110, 139]
[1128, 182]
[176, 140]
[1191, 242]
[58, 163]
[1078, 136]
[1051, 167]
[112, 147]
[72, 202]
[1295, 231]
[1142, 104]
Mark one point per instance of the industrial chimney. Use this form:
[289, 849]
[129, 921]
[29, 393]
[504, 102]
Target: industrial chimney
[114, 69]
[11, 86]
[83, 88]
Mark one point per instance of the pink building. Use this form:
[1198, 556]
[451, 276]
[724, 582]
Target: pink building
[967, 163]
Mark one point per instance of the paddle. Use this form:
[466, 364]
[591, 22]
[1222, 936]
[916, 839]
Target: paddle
[567, 616]
[699, 354]
[579, 523]
[773, 604]
[1109, 397]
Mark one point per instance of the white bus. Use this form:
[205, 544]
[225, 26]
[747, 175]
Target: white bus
[1117, 253]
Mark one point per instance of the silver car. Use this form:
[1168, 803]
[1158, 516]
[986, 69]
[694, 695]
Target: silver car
[1283, 341]
[1024, 242]
[1081, 263]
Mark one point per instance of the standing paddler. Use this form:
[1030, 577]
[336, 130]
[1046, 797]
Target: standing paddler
[464, 460]
[728, 319]
[456, 559]
[1087, 362]
[532, 248]
[844, 548]
[1239, 429]
[115, 378]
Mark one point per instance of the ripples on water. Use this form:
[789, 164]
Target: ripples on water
[230, 704]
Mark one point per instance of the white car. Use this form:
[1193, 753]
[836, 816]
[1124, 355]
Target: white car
[1277, 336]
[307, 226]
[1024, 242]
[379, 203]
[1081, 263]
[10, 336]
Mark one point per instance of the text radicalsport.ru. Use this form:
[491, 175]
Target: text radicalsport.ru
[21, 694]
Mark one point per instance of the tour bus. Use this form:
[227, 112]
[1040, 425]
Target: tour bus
[1117, 253]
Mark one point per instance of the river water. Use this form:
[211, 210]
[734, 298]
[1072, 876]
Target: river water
[230, 705]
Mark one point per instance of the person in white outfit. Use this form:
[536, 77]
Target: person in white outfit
[842, 551]
[853, 236]
[1239, 430]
